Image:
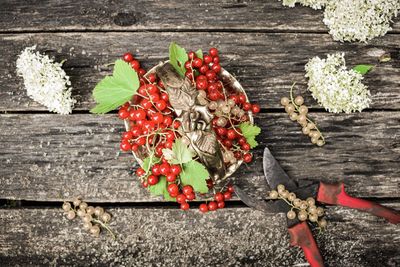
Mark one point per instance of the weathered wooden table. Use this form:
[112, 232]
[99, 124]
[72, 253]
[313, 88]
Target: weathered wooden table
[47, 158]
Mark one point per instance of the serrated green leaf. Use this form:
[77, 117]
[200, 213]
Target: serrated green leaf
[182, 153]
[177, 58]
[199, 53]
[114, 91]
[195, 174]
[250, 132]
[160, 189]
[363, 69]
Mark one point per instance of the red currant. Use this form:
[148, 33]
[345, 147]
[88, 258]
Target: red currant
[135, 64]
[242, 98]
[212, 205]
[142, 72]
[197, 62]
[211, 75]
[227, 195]
[216, 68]
[176, 124]
[247, 157]
[189, 74]
[123, 114]
[207, 59]
[157, 117]
[231, 189]
[173, 189]
[203, 207]
[164, 96]
[219, 197]
[140, 172]
[190, 196]
[152, 179]
[145, 184]
[203, 69]
[246, 146]
[155, 170]
[161, 105]
[231, 134]
[216, 60]
[125, 146]
[227, 143]
[191, 55]
[176, 169]
[187, 189]
[221, 204]
[135, 148]
[171, 177]
[167, 121]
[188, 65]
[246, 106]
[180, 198]
[165, 168]
[255, 108]
[213, 52]
[127, 135]
[152, 77]
[136, 131]
[141, 141]
[185, 206]
[128, 57]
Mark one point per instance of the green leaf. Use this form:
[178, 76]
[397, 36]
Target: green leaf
[148, 162]
[177, 58]
[363, 69]
[182, 154]
[195, 174]
[250, 132]
[160, 189]
[114, 91]
[199, 53]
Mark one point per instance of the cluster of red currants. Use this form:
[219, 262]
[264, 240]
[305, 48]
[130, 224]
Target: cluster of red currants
[153, 126]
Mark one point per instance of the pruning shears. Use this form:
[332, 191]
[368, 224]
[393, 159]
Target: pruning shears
[331, 194]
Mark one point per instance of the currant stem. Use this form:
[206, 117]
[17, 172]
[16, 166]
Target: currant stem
[105, 227]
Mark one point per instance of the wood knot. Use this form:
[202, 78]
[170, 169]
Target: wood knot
[126, 18]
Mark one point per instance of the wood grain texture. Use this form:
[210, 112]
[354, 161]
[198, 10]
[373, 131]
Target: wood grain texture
[106, 15]
[160, 237]
[46, 157]
[266, 64]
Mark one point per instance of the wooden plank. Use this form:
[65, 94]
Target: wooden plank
[160, 15]
[170, 237]
[50, 158]
[266, 64]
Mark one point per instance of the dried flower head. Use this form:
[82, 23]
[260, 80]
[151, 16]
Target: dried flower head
[45, 81]
[359, 20]
[315, 4]
[335, 87]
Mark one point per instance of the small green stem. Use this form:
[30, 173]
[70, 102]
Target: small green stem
[105, 226]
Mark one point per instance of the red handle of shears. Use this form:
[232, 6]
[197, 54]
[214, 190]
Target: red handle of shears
[334, 194]
[300, 235]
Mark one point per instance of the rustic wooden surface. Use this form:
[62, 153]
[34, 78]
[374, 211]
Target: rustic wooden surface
[47, 158]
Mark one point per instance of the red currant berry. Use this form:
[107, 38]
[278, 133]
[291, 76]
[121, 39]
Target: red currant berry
[221, 131]
[135, 147]
[190, 196]
[173, 189]
[123, 114]
[141, 72]
[164, 97]
[213, 52]
[161, 105]
[203, 69]
[127, 135]
[127, 57]
[227, 143]
[157, 117]
[125, 146]
[135, 64]
[188, 65]
[176, 169]
[145, 184]
[141, 141]
[221, 204]
[155, 170]
[212, 205]
[152, 77]
[238, 155]
[216, 68]
[187, 189]
[160, 84]
[210, 183]
[219, 197]
[140, 172]
[165, 168]
[247, 157]
[211, 75]
[136, 131]
[171, 177]
[189, 74]
[146, 104]
[185, 206]
[227, 195]
[234, 98]
[231, 188]
[167, 121]
[197, 62]
[207, 59]
[255, 108]
[191, 55]
[152, 179]
[231, 134]
[203, 207]
[180, 198]
[201, 84]
[216, 60]
[246, 106]
[242, 98]
[246, 146]
[176, 124]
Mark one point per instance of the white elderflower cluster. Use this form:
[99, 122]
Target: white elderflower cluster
[354, 20]
[315, 4]
[335, 87]
[45, 81]
[360, 20]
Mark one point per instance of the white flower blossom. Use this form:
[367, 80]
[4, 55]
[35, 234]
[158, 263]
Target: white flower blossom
[354, 20]
[334, 87]
[45, 81]
[359, 20]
